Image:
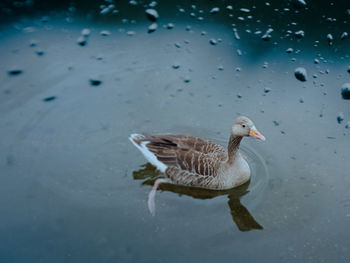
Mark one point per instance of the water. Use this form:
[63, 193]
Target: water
[74, 189]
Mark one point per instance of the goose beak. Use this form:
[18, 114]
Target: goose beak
[256, 134]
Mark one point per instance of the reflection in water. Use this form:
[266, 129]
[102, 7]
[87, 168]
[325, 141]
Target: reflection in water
[240, 215]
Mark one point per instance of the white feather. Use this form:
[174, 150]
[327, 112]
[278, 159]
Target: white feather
[151, 157]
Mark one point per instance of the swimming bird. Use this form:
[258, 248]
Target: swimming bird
[191, 161]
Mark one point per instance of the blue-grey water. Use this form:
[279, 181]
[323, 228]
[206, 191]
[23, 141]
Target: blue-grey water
[74, 189]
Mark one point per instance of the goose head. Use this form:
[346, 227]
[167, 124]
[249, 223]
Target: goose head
[243, 126]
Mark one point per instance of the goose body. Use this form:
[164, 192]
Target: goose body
[191, 161]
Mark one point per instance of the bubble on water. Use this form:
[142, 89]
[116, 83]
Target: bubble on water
[344, 36]
[238, 69]
[48, 99]
[153, 27]
[152, 14]
[330, 39]
[300, 74]
[229, 7]
[170, 26]
[86, 32]
[345, 91]
[213, 41]
[340, 117]
[241, 18]
[244, 10]
[316, 61]
[289, 50]
[214, 10]
[15, 71]
[192, 14]
[236, 34]
[181, 10]
[299, 34]
[133, 2]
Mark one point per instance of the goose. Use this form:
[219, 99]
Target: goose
[191, 161]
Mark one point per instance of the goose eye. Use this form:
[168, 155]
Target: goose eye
[243, 125]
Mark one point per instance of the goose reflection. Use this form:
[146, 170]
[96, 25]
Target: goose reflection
[240, 215]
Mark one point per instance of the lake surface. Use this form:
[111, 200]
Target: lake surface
[74, 189]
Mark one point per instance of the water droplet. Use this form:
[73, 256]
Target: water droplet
[95, 81]
[345, 91]
[347, 126]
[213, 41]
[153, 27]
[289, 50]
[267, 90]
[239, 96]
[152, 14]
[86, 32]
[15, 72]
[82, 41]
[300, 74]
[316, 61]
[267, 36]
[340, 117]
[40, 52]
[299, 34]
[236, 34]
[176, 65]
[33, 43]
[214, 10]
[301, 100]
[153, 4]
[344, 36]
[177, 45]
[170, 25]
[244, 10]
[48, 99]
[276, 123]
[105, 33]
[229, 7]
[221, 68]
[330, 39]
